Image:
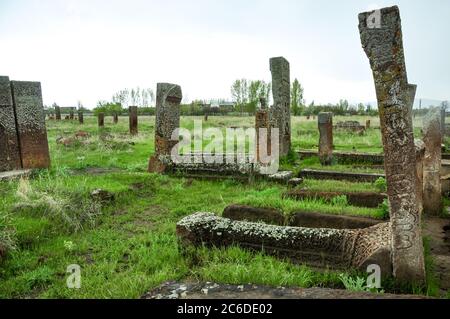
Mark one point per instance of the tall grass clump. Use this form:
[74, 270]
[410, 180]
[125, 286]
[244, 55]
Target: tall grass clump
[72, 210]
[7, 234]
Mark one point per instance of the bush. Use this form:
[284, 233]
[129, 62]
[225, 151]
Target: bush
[384, 207]
[381, 184]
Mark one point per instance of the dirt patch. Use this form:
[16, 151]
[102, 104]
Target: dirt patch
[438, 230]
[189, 290]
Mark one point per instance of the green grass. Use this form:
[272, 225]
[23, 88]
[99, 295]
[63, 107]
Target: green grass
[129, 246]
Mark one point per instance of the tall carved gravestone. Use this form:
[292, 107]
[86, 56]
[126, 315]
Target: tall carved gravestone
[281, 110]
[381, 37]
[432, 136]
[168, 99]
[326, 138]
[101, 119]
[58, 113]
[9, 143]
[30, 119]
[262, 122]
[133, 114]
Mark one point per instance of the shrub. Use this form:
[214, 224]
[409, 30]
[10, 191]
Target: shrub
[381, 184]
[384, 207]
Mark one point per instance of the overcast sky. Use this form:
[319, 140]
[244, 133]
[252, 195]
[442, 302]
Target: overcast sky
[89, 49]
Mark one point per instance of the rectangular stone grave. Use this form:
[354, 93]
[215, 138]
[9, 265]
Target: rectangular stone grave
[9, 143]
[30, 119]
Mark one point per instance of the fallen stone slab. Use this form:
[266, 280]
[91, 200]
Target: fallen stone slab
[340, 176]
[12, 175]
[253, 214]
[325, 248]
[196, 291]
[297, 219]
[348, 157]
[317, 220]
[363, 199]
[282, 177]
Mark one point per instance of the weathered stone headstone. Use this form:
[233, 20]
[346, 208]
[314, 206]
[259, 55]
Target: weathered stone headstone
[262, 121]
[9, 144]
[80, 117]
[168, 99]
[30, 119]
[381, 37]
[58, 113]
[263, 103]
[420, 154]
[432, 136]
[101, 119]
[133, 114]
[115, 118]
[281, 110]
[326, 138]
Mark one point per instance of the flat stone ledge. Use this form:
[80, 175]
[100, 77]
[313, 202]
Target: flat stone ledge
[12, 175]
[340, 176]
[208, 290]
[362, 199]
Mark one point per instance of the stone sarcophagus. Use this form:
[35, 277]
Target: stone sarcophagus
[23, 134]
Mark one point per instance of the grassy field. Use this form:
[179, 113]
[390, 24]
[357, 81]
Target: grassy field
[128, 246]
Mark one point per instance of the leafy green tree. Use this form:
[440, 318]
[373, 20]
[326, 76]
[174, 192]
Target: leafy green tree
[297, 98]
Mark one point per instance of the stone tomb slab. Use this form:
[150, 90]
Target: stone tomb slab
[9, 143]
[30, 119]
[323, 248]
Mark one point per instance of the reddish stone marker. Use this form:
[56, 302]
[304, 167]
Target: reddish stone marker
[381, 37]
[326, 138]
[432, 194]
[281, 110]
[30, 119]
[101, 119]
[133, 114]
[168, 99]
[9, 143]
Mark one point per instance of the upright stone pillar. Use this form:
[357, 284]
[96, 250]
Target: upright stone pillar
[30, 119]
[80, 117]
[326, 138]
[420, 155]
[133, 114]
[58, 113]
[381, 37]
[262, 121]
[443, 116]
[115, 118]
[9, 143]
[168, 99]
[281, 110]
[432, 136]
[101, 119]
